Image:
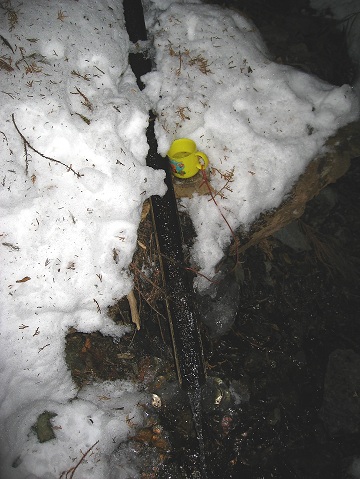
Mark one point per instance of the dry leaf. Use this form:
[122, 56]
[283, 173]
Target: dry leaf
[87, 345]
[26, 278]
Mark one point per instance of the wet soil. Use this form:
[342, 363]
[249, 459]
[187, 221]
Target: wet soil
[282, 399]
[296, 309]
[276, 403]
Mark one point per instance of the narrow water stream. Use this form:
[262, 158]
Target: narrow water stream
[180, 302]
[195, 396]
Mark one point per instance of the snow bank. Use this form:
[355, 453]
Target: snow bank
[73, 181]
[260, 123]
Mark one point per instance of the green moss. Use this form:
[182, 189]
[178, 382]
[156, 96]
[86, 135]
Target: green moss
[43, 427]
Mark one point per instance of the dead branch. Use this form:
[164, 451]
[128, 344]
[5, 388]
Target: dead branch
[28, 145]
[70, 473]
[228, 177]
[149, 303]
[86, 102]
[235, 238]
[26, 158]
[77, 74]
[135, 317]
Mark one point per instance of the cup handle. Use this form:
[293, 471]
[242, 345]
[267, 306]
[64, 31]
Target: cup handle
[203, 160]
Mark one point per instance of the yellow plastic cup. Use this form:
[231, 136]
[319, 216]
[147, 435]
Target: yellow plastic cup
[185, 160]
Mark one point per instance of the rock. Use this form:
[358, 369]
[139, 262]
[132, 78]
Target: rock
[292, 236]
[218, 306]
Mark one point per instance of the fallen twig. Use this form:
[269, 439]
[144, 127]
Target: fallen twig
[28, 145]
[135, 317]
[235, 238]
[70, 473]
[86, 101]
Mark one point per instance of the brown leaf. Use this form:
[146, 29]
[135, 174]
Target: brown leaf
[26, 278]
[86, 346]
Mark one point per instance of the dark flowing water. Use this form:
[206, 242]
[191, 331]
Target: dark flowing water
[196, 409]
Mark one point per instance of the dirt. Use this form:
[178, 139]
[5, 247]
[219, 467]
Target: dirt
[282, 398]
[296, 309]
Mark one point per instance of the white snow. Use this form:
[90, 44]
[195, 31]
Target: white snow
[260, 123]
[73, 180]
[61, 230]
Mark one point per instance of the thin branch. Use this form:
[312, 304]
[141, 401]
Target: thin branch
[86, 101]
[149, 303]
[235, 238]
[28, 145]
[70, 473]
[135, 317]
[26, 158]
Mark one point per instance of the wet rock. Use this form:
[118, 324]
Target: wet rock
[292, 236]
[219, 305]
[239, 390]
[216, 395]
[341, 404]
